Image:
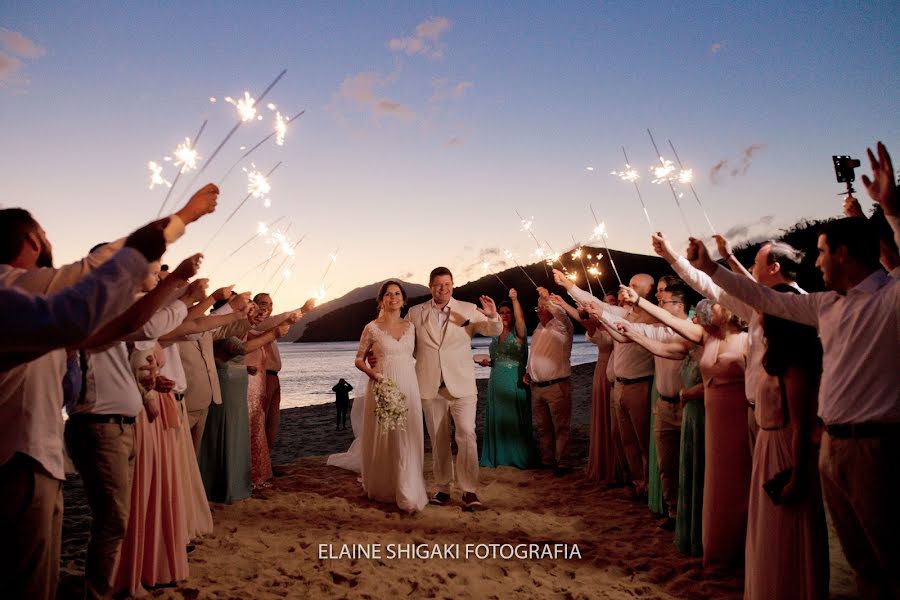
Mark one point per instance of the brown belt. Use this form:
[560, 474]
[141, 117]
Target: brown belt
[95, 418]
[863, 430]
[625, 381]
[670, 399]
[543, 384]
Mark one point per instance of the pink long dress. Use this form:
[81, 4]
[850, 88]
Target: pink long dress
[601, 452]
[787, 546]
[260, 461]
[726, 481]
[154, 549]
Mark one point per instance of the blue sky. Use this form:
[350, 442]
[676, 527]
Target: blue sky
[428, 124]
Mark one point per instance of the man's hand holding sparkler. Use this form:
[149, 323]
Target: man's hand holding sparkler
[203, 202]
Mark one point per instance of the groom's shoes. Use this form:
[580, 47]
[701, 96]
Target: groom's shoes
[440, 498]
[471, 502]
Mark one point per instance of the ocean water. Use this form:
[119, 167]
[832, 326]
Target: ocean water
[309, 371]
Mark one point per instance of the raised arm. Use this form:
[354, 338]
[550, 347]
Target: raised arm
[682, 327]
[518, 315]
[883, 188]
[583, 297]
[675, 349]
[802, 308]
[568, 308]
[728, 256]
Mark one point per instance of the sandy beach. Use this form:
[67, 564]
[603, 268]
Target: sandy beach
[270, 546]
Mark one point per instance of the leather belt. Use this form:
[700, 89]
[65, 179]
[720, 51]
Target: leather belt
[863, 430]
[626, 381]
[271, 372]
[178, 396]
[543, 384]
[670, 399]
[95, 418]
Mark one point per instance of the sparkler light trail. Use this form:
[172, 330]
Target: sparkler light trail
[631, 175]
[288, 254]
[333, 259]
[665, 173]
[262, 229]
[486, 270]
[156, 177]
[595, 271]
[245, 106]
[687, 177]
[509, 255]
[527, 227]
[187, 157]
[578, 252]
[238, 207]
[260, 143]
[599, 233]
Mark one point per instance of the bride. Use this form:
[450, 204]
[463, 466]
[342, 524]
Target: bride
[390, 462]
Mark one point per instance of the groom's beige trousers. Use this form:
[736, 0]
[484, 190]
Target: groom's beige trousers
[438, 411]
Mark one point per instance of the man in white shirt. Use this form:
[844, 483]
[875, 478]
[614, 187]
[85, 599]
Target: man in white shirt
[858, 322]
[548, 371]
[31, 444]
[634, 379]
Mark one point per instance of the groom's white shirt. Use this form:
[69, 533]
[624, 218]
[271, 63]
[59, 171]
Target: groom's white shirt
[443, 345]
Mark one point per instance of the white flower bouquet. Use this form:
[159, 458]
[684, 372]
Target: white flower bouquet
[390, 406]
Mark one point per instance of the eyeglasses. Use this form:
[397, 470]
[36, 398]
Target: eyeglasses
[663, 302]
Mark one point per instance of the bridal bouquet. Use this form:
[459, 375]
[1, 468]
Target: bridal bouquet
[390, 406]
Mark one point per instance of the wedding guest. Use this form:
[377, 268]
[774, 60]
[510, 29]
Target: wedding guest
[342, 402]
[691, 454]
[611, 299]
[272, 365]
[224, 456]
[601, 465]
[100, 435]
[547, 373]
[508, 438]
[260, 460]
[727, 464]
[776, 263]
[634, 377]
[787, 538]
[858, 400]
[31, 453]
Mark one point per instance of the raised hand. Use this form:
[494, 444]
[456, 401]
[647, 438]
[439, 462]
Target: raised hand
[196, 291]
[624, 327]
[882, 187]
[698, 255]
[293, 317]
[724, 246]
[543, 293]
[561, 280]
[662, 247]
[201, 203]
[852, 207]
[188, 267]
[629, 295]
[282, 330]
[557, 299]
[149, 240]
[308, 305]
[239, 302]
[488, 308]
[223, 293]
[513, 294]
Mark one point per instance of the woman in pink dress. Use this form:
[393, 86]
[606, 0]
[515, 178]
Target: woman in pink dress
[787, 539]
[260, 462]
[601, 453]
[726, 480]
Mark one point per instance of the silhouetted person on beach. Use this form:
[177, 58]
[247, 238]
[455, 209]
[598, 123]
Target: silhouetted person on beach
[342, 400]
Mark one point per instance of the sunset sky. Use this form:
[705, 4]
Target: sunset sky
[428, 124]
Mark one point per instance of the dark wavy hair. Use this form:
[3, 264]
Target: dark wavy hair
[384, 288]
[790, 344]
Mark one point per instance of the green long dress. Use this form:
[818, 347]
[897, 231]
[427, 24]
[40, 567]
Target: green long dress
[654, 482]
[688, 522]
[224, 455]
[508, 438]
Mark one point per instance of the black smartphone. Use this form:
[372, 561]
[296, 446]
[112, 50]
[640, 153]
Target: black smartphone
[775, 486]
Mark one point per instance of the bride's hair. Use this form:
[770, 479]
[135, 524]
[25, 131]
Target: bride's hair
[384, 289]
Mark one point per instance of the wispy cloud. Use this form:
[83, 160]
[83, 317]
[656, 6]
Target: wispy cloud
[730, 168]
[444, 89]
[455, 141]
[491, 257]
[389, 108]
[363, 90]
[425, 41]
[716, 48]
[16, 47]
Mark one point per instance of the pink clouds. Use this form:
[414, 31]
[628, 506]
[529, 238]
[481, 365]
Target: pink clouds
[16, 45]
[363, 90]
[425, 41]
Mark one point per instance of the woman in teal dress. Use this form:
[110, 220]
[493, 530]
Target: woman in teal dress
[654, 482]
[689, 521]
[508, 438]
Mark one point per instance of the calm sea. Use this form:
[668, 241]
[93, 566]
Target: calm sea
[310, 370]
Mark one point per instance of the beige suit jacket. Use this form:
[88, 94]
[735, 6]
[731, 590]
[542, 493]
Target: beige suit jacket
[446, 354]
[200, 366]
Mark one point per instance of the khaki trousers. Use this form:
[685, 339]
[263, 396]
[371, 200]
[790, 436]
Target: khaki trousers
[667, 435]
[634, 428]
[197, 422]
[438, 412]
[31, 510]
[551, 409]
[622, 473]
[860, 485]
[104, 455]
[273, 408]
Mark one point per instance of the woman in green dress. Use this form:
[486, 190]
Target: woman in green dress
[508, 438]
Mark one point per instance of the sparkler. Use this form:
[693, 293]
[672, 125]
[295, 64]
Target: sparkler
[156, 177]
[527, 227]
[485, 270]
[578, 252]
[664, 173]
[687, 177]
[595, 271]
[276, 132]
[554, 257]
[254, 187]
[631, 175]
[262, 229]
[288, 251]
[599, 233]
[509, 255]
[186, 154]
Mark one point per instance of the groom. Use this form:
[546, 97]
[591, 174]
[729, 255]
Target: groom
[446, 373]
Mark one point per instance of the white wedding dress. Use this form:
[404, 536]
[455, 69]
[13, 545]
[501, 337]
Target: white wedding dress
[391, 463]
